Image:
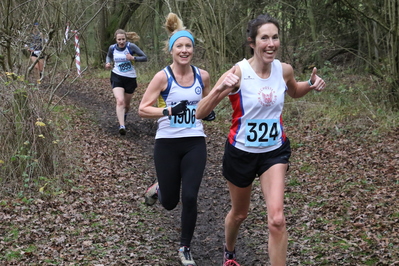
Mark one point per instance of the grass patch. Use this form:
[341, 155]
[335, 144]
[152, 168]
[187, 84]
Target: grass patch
[12, 234]
[13, 255]
[307, 168]
[349, 103]
[294, 182]
[36, 142]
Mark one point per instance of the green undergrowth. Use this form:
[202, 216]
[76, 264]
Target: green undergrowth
[350, 104]
[35, 159]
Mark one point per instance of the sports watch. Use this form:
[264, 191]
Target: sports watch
[165, 111]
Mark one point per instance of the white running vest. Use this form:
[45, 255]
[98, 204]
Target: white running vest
[123, 66]
[257, 125]
[186, 125]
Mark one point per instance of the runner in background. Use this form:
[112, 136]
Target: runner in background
[123, 74]
[35, 46]
[180, 149]
[257, 144]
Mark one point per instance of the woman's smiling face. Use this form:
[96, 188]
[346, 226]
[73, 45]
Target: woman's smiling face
[182, 50]
[266, 43]
[121, 40]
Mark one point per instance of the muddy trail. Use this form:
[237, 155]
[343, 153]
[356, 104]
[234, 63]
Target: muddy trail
[122, 166]
[341, 198]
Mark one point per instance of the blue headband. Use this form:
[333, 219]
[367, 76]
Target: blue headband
[177, 35]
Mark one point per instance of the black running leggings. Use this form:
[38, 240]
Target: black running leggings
[180, 162]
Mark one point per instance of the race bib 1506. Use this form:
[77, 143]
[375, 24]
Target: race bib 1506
[186, 120]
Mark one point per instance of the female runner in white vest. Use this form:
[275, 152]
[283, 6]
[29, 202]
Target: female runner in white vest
[123, 74]
[180, 148]
[257, 144]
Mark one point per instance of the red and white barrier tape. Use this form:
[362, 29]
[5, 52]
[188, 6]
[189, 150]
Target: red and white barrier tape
[77, 56]
[66, 33]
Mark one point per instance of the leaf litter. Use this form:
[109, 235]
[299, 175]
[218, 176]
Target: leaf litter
[341, 200]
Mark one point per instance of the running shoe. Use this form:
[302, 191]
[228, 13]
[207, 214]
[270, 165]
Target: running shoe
[185, 257]
[229, 258]
[122, 130]
[231, 263]
[151, 195]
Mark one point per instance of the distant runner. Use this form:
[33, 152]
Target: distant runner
[123, 74]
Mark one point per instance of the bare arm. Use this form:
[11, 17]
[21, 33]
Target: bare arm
[226, 84]
[146, 108]
[206, 81]
[299, 89]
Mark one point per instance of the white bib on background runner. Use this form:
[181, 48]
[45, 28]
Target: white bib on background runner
[123, 66]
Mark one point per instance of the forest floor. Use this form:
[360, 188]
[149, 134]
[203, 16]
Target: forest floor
[341, 199]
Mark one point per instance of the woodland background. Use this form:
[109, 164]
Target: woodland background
[321, 33]
[71, 188]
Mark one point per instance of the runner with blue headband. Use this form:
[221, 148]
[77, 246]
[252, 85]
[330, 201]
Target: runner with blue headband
[180, 148]
[179, 34]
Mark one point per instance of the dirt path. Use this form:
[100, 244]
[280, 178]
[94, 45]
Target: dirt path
[341, 199]
[330, 178]
[128, 159]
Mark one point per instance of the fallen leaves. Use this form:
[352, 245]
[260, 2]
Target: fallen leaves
[341, 201]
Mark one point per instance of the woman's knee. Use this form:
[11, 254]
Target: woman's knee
[169, 203]
[237, 217]
[120, 102]
[276, 223]
[189, 200]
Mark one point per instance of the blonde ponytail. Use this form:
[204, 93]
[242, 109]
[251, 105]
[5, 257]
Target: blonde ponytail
[131, 36]
[172, 25]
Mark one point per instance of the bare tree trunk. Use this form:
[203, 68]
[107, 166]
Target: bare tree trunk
[313, 29]
[102, 33]
[157, 29]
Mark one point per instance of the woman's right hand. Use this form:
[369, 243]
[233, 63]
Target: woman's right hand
[230, 80]
[108, 65]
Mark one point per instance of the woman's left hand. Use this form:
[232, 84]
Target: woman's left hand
[318, 83]
[130, 57]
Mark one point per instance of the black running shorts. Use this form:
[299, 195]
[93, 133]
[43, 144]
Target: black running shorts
[241, 168]
[129, 84]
